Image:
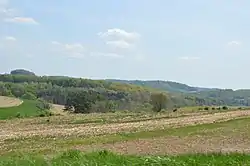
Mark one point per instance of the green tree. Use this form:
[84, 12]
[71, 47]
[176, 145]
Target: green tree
[43, 105]
[28, 96]
[81, 101]
[159, 101]
[110, 105]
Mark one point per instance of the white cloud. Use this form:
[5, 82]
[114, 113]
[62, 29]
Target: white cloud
[74, 46]
[77, 55]
[69, 47]
[10, 38]
[9, 14]
[119, 34]
[4, 9]
[119, 44]
[27, 20]
[234, 43]
[5, 12]
[75, 50]
[55, 43]
[119, 38]
[189, 58]
[113, 55]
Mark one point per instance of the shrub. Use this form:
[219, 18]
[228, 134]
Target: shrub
[206, 108]
[158, 101]
[45, 114]
[174, 110]
[225, 108]
[43, 105]
[18, 115]
[28, 96]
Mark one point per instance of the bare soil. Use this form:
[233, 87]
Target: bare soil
[15, 130]
[175, 145]
[9, 102]
[58, 109]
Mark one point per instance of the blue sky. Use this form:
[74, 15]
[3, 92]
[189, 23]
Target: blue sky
[201, 43]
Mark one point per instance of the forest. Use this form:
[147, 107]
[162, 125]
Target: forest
[106, 95]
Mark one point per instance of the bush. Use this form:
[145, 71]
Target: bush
[225, 108]
[158, 101]
[206, 108]
[43, 105]
[18, 115]
[28, 96]
[213, 108]
[45, 114]
[174, 110]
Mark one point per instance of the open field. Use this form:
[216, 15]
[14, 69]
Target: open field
[160, 136]
[184, 146]
[26, 109]
[9, 102]
[184, 133]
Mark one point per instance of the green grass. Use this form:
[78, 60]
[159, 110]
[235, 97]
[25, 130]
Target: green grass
[26, 109]
[102, 158]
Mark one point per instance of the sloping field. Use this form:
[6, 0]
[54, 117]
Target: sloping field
[26, 109]
[221, 132]
[15, 129]
[9, 102]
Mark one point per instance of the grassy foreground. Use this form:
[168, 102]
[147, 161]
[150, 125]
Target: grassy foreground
[77, 158]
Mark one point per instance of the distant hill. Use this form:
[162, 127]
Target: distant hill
[126, 94]
[22, 72]
[164, 85]
[224, 96]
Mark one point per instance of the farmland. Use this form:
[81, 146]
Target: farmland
[116, 137]
[96, 123]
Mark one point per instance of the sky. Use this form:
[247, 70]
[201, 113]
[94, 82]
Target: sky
[199, 43]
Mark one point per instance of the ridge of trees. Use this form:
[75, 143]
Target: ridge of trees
[111, 95]
[58, 90]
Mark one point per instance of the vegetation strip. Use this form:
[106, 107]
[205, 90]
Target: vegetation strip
[77, 158]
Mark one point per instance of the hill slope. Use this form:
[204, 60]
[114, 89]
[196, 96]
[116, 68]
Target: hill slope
[121, 94]
[164, 85]
[215, 96]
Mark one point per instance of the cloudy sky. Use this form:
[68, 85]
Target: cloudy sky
[201, 43]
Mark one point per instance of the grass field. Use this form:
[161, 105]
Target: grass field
[26, 109]
[179, 138]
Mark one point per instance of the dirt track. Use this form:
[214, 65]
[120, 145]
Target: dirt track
[8, 131]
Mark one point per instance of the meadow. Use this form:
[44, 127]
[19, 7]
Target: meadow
[190, 136]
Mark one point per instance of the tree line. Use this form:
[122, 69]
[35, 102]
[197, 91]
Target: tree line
[85, 95]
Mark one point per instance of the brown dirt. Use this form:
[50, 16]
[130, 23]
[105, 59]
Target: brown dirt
[58, 109]
[9, 130]
[175, 145]
[9, 102]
